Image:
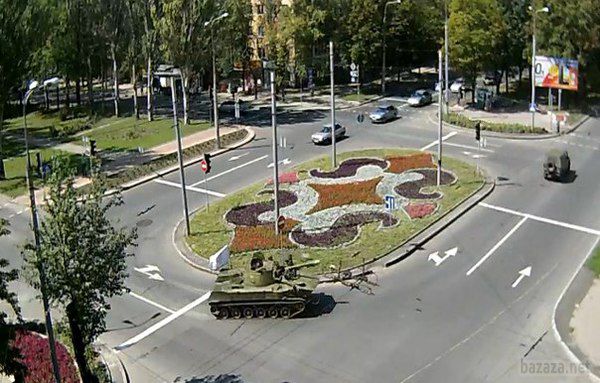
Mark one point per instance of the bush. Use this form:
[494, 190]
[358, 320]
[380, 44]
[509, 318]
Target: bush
[594, 262]
[465, 122]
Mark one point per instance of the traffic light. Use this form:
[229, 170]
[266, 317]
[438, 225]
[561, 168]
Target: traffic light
[478, 131]
[92, 148]
[207, 160]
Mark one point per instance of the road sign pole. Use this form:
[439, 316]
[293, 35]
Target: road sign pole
[331, 67]
[180, 158]
[275, 158]
[440, 102]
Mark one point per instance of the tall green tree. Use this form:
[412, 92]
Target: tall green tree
[474, 29]
[234, 49]
[363, 39]
[84, 256]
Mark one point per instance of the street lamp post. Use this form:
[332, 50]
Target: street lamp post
[36, 230]
[384, 36]
[214, 76]
[332, 96]
[533, 48]
[275, 156]
[446, 81]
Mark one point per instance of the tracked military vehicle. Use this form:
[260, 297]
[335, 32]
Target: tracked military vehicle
[267, 289]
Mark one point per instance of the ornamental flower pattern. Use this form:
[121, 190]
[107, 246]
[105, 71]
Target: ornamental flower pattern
[328, 209]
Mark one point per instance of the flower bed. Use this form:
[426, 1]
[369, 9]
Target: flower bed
[419, 210]
[346, 194]
[348, 168]
[343, 231]
[247, 215]
[413, 190]
[35, 356]
[401, 164]
[286, 178]
[261, 237]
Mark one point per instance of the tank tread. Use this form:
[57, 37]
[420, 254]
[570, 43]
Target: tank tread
[257, 309]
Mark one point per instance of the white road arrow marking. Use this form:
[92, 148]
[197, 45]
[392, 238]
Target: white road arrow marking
[153, 272]
[285, 161]
[526, 272]
[467, 153]
[476, 156]
[435, 257]
[235, 158]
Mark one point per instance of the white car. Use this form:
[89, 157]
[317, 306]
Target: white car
[457, 85]
[420, 98]
[324, 136]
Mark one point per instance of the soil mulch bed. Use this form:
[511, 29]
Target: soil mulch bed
[346, 194]
[412, 189]
[247, 215]
[401, 164]
[348, 168]
[344, 230]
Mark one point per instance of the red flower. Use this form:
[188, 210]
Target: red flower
[286, 178]
[419, 210]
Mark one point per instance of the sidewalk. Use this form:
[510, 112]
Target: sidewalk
[586, 324]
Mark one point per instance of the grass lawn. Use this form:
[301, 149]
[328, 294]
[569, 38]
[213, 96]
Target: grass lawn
[129, 133]
[594, 262]
[210, 232]
[358, 97]
[48, 125]
[15, 183]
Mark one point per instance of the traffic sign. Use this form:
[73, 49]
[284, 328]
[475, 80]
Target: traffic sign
[280, 222]
[390, 202]
[360, 118]
[532, 107]
[204, 166]
[353, 66]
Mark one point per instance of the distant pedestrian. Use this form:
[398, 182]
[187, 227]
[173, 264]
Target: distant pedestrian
[460, 96]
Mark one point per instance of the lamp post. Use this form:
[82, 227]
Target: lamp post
[446, 81]
[384, 53]
[36, 230]
[332, 101]
[214, 75]
[533, 42]
[173, 75]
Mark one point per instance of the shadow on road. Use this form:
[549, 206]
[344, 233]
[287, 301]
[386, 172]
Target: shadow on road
[325, 305]
[225, 378]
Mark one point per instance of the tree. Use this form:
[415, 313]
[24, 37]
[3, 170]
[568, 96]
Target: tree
[151, 11]
[474, 27]
[84, 257]
[234, 50]
[514, 39]
[135, 31]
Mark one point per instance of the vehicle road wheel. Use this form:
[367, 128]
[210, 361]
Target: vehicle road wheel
[261, 312]
[285, 312]
[248, 312]
[223, 313]
[235, 313]
[273, 312]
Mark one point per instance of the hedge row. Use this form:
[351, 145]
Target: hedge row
[465, 122]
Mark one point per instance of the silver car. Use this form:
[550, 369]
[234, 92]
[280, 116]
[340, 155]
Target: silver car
[384, 113]
[420, 97]
[324, 136]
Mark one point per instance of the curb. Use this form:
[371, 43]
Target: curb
[114, 365]
[571, 296]
[516, 136]
[184, 251]
[131, 184]
[360, 103]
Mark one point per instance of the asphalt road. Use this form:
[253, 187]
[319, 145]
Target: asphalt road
[461, 321]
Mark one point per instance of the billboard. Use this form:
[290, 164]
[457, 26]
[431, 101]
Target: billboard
[557, 73]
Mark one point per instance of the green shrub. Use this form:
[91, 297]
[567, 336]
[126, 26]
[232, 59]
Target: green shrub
[465, 122]
[594, 262]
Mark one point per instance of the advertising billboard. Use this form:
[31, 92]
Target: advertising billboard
[557, 73]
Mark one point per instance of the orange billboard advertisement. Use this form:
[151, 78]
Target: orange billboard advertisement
[557, 73]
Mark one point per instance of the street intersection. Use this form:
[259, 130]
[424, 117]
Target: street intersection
[478, 310]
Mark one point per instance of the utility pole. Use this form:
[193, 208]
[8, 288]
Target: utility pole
[215, 101]
[439, 160]
[275, 158]
[331, 68]
[180, 157]
[532, 106]
[383, 60]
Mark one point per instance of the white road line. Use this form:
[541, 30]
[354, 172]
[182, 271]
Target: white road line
[469, 147]
[157, 326]
[542, 219]
[157, 305]
[231, 170]
[191, 188]
[496, 246]
[434, 143]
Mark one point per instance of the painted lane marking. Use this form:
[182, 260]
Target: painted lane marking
[526, 272]
[191, 188]
[542, 219]
[157, 326]
[235, 158]
[151, 271]
[469, 147]
[435, 257]
[285, 161]
[231, 170]
[152, 303]
[434, 143]
[496, 246]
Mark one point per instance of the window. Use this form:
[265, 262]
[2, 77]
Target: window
[261, 31]
[260, 9]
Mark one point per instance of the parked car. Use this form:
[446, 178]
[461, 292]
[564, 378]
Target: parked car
[457, 85]
[420, 97]
[491, 78]
[229, 106]
[324, 135]
[384, 113]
